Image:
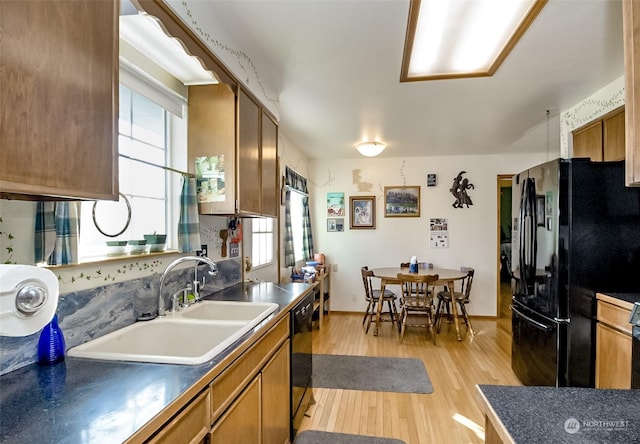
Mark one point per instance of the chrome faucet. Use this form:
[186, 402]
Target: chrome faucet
[213, 271]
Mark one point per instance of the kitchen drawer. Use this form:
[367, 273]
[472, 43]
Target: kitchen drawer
[241, 423]
[190, 425]
[226, 387]
[614, 316]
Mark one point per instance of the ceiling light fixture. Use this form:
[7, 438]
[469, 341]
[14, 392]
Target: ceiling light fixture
[463, 38]
[370, 149]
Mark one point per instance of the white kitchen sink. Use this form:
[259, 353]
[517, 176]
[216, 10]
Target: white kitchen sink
[226, 311]
[192, 336]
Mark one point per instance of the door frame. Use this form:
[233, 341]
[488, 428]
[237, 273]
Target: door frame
[501, 183]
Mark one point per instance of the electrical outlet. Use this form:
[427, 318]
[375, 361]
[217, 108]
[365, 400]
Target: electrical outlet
[334, 268]
[204, 251]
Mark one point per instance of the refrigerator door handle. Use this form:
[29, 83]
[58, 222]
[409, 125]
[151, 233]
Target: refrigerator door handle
[527, 235]
[533, 221]
[521, 235]
[533, 322]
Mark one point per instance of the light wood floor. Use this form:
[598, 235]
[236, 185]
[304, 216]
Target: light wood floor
[448, 415]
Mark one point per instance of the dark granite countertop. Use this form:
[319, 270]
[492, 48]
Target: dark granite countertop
[85, 400]
[564, 415]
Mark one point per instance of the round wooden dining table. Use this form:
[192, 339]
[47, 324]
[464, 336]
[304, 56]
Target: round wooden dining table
[446, 276]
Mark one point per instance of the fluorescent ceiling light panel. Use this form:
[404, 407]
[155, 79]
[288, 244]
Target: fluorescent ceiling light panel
[463, 38]
[144, 34]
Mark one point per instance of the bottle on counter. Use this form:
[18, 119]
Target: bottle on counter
[51, 346]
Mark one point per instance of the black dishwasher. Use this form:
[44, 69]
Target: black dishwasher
[635, 346]
[301, 358]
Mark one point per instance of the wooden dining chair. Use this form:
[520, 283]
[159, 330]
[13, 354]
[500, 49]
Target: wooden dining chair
[462, 299]
[417, 301]
[372, 296]
[421, 265]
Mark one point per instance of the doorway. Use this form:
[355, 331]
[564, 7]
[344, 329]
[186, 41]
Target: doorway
[504, 246]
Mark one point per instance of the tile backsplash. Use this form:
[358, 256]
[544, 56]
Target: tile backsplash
[90, 313]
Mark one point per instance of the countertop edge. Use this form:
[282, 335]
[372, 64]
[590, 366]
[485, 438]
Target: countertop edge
[560, 414]
[492, 416]
[614, 301]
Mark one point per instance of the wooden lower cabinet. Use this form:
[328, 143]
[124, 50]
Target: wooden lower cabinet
[276, 409]
[613, 347]
[613, 358]
[191, 425]
[241, 423]
[261, 412]
[247, 403]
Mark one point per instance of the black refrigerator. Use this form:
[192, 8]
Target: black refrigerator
[575, 232]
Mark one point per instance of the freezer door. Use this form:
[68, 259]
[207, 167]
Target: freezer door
[534, 354]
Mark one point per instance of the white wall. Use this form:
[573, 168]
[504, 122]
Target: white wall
[472, 231]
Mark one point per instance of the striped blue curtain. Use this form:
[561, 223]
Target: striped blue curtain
[56, 233]
[307, 235]
[297, 182]
[45, 232]
[289, 254]
[189, 222]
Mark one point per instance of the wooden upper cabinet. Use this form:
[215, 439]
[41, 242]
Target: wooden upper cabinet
[211, 146]
[233, 149]
[631, 31]
[587, 141]
[257, 159]
[249, 177]
[59, 107]
[602, 139]
[613, 136]
[269, 163]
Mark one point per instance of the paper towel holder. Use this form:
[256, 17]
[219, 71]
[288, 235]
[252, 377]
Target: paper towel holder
[31, 296]
[28, 299]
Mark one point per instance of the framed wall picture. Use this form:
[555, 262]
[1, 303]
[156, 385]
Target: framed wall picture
[540, 211]
[402, 201]
[363, 212]
[335, 224]
[335, 204]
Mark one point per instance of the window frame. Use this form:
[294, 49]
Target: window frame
[174, 155]
[257, 233]
[297, 221]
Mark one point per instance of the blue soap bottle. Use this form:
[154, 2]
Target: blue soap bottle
[51, 346]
